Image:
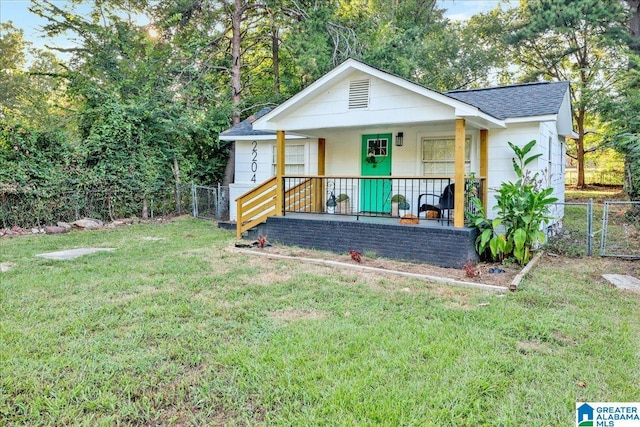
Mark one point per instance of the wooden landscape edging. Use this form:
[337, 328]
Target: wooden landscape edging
[516, 280]
[436, 279]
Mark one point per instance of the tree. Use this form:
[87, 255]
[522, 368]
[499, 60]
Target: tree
[621, 109]
[577, 41]
[136, 116]
[12, 62]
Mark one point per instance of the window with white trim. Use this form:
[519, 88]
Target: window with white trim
[293, 160]
[438, 156]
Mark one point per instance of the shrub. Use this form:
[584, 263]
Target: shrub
[523, 208]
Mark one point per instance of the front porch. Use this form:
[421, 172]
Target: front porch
[428, 241]
[365, 214]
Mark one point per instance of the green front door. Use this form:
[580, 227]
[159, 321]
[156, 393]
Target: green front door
[375, 194]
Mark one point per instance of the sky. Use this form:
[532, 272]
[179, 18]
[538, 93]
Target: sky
[17, 12]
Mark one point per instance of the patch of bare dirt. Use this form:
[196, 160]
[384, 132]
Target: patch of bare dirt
[487, 273]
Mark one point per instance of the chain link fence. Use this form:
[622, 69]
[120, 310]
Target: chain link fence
[572, 232]
[29, 209]
[620, 229]
[614, 226]
[210, 202]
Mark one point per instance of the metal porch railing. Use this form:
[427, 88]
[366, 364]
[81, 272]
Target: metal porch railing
[428, 198]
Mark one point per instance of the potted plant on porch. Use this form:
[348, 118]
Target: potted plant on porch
[399, 205]
[342, 204]
[331, 203]
[403, 208]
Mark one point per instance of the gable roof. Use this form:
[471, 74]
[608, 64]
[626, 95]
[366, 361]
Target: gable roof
[523, 100]
[462, 109]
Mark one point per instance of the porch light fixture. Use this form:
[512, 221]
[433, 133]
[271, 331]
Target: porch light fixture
[399, 139]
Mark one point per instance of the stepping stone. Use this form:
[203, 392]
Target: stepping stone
[72, 253]
[153, 239]
[5, 266]
[623, 281]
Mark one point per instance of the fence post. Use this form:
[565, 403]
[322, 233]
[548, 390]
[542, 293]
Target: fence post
[590, 227]
[603, 237]
[194, 200]
[218, 199]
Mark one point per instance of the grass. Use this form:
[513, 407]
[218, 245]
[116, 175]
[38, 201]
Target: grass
[181, 331]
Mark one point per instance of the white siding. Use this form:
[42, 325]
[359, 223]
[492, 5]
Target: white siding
[254, 165]
[388, 104]
[551, 170]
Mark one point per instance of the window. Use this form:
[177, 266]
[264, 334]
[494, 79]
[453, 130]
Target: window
[438, 156]
[293, 160]
[377, 147]
[550, 161]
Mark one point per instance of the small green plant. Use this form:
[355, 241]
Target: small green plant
[331, 202]
[404, 206]
[523, 208]
[398, 198]
[342, 197]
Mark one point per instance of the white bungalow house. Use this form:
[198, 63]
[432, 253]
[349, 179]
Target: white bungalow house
[360, 142]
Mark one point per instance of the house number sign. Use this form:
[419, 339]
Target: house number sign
[254, 160]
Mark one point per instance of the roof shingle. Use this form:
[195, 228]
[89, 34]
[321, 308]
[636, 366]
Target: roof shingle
[245, 127]
[523, 100]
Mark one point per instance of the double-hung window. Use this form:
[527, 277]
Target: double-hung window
[293, 160]
[438, 156]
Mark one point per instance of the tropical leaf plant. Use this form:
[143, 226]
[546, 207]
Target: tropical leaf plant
[522, 210]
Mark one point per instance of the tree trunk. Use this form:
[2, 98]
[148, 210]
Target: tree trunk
[275, 54]
[634, 25]
[580, 148]
[236, 84]
[631, 164]
[145, 208]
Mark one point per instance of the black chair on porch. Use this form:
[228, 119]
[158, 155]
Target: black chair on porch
[441, 210]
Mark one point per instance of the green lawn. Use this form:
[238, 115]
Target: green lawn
[182, 331]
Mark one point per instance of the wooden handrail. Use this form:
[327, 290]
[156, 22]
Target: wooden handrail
[258, 204]
[255, 206]
[301, 197]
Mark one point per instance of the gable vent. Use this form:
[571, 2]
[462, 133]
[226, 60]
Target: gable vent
[358, 94]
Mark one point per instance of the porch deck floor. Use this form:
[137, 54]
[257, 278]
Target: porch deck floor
[368, 219]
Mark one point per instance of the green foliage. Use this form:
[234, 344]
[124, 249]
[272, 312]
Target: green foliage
[35, 167]
[580, 41]
[522, 211]
[623, 125]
